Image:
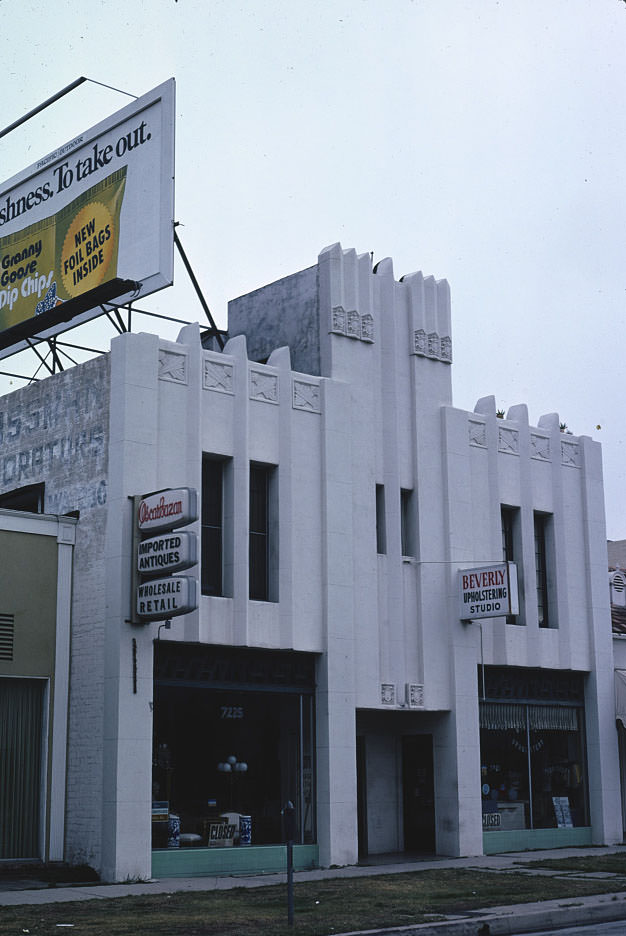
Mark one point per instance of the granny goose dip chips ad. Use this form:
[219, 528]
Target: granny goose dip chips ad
[96, 210]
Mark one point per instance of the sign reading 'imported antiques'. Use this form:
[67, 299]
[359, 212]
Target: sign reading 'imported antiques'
[170, 552]
[488, 591]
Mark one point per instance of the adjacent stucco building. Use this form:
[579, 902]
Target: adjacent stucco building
[35, 602]
[341, 493]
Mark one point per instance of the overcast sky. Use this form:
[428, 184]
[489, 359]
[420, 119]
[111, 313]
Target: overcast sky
[480, 141]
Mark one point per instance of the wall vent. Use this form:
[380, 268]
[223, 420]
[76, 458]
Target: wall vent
[618, 588]
[619, 582]
[7, 627]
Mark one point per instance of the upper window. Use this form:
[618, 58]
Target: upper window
[381, 535]
[509, 519]
[406, 523]
[29, 498]
[542, 531]
[263, 540]
[216, 491]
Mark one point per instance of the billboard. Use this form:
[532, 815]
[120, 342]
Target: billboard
[87, 221]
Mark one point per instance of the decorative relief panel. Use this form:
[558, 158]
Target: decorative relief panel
[387, 693]
[446, 349]
[419, 342]
[339, 320]
[570, 454]
[263, 386]
[352, 324]
[539, 447]
[508, 440]
[218, 376]
[172, 366]
[432, 345]
[367, 327]
[477, 433]
[414, 695]
[306, 396]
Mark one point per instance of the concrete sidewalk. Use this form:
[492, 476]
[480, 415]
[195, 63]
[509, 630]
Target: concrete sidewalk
[496, 921]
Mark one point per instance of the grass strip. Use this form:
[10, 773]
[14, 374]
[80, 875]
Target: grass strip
[322, 908]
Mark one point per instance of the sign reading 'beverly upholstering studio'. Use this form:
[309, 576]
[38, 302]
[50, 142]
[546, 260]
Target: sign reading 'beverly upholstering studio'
[488, 591]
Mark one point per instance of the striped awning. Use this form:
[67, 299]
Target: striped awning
[502, 716]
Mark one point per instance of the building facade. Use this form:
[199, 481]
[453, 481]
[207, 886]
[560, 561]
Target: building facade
[326, 665]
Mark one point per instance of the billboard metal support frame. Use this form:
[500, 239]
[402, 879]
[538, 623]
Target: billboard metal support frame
[214, 330]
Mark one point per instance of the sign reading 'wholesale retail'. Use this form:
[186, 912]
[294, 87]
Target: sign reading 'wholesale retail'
[164, 598]
[94, 211]
[488, 591]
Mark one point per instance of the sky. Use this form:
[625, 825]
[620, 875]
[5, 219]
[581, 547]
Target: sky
[480, 141]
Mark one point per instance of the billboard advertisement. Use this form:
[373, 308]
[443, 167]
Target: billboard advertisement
[88, 218]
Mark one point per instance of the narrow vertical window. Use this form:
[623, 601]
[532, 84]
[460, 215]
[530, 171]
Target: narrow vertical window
[541, 570]
[262, 547]
[406, 523]
[509, 525]
[381, 538]
[212, 526]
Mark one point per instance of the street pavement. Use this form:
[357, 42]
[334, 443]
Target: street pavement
[495, 921]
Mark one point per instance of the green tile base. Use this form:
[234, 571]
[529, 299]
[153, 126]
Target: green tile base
[527, 839]
[203, 862]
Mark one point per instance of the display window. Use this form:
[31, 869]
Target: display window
[532, 766]
[230, 755]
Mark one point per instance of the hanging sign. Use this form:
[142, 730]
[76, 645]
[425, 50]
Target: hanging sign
[163, 598]
[488, 591]
[169, 552]
[166, 510]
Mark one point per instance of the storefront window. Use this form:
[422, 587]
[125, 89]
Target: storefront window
[233, 737]
[532, 766]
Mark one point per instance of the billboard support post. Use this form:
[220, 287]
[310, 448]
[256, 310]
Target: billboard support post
[196, 286]
[36, 110]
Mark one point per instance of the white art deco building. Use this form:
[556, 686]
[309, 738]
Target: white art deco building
[326, 664]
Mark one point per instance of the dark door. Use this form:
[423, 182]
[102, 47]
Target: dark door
[418, 789]
[361, 796]
[21, 726]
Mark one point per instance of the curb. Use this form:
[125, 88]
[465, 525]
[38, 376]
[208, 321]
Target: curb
[516, 920]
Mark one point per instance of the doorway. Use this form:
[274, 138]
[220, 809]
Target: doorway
[418, 794]
[21, 766]
[361, 796]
